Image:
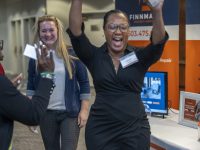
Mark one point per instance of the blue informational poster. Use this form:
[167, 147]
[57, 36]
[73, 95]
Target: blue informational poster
[139, 13]
[192, 61]
[140, 18]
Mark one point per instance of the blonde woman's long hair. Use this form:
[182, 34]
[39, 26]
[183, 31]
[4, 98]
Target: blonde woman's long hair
[61, 44]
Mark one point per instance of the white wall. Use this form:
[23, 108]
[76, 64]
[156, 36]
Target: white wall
[18, 10]
[92, 9]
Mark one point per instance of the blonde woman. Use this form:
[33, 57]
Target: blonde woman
[68, 106]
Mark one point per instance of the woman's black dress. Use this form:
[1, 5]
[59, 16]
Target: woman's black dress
[117, 119]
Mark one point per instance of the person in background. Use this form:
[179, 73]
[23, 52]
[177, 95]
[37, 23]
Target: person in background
[16, 80]
[68, 107]
[117, 119]
[14, 106]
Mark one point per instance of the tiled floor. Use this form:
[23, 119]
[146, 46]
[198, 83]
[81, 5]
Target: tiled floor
[23, 139]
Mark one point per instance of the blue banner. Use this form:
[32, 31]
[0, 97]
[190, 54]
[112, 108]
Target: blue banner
[192, 11]
[139, 13]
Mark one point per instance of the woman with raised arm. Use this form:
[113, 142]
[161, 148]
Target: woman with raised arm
[117, 119]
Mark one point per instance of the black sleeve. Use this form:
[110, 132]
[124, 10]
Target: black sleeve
[16, 106]
[151, 53]
[82, 47]
[31, 78]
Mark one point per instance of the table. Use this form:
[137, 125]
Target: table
[167, 134]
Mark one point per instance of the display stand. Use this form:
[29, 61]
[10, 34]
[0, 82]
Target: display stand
[158, 115]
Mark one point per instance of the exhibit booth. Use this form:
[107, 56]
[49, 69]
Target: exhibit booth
[171, 111]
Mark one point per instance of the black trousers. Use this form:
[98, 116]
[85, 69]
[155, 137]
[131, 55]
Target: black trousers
[6, 130]
[16, 106]
[59, 132]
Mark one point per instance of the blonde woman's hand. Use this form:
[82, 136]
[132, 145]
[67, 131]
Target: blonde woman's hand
[82, 118]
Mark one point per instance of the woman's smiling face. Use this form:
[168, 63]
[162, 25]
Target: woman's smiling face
[116, 32]
[48, 33]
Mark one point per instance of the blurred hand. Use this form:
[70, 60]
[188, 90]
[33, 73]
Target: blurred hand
[155, 4]
[17, 80]
[45, 61]
[82, 118]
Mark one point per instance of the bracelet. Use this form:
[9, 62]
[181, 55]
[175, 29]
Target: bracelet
[48, 75]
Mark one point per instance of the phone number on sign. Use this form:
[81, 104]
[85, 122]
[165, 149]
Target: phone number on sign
[137, 33]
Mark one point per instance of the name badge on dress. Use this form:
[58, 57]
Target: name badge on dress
[128, 59]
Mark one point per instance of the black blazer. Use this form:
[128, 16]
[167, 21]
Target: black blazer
[16, 106]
